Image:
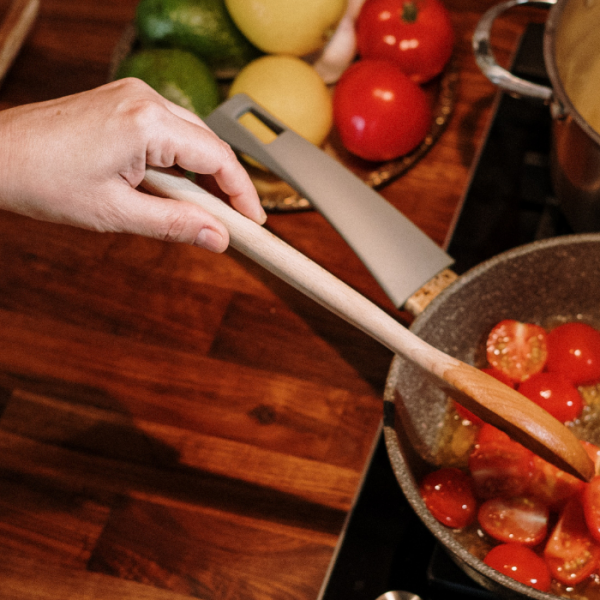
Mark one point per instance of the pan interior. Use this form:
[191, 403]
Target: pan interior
[558, 278]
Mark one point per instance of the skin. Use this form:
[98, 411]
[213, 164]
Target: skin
[78, 160]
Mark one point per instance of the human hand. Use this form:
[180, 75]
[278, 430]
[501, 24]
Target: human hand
[79, 159]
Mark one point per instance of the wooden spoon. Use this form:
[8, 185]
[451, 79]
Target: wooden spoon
[17, 23]
[480, 393]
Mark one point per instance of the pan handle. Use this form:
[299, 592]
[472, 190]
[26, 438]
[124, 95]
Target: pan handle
[396, 252]
[487, 62]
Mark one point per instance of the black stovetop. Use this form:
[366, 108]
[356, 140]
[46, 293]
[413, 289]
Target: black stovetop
[509, 202]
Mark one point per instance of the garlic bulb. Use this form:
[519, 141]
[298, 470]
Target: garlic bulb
[341, 48]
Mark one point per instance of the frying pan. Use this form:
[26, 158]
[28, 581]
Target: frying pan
[555, 277]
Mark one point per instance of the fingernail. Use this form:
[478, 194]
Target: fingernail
[262, 216]
[211, 240]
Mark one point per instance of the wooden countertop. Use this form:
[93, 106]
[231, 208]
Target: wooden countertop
[176, 424]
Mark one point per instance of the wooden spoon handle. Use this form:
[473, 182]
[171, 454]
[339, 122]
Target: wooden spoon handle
[14, 29]
[496, 403]
[302, 273]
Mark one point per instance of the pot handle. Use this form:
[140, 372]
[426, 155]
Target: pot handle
[396, 252]
[487, 62]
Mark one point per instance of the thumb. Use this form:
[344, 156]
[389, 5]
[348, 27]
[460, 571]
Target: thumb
[168, 220]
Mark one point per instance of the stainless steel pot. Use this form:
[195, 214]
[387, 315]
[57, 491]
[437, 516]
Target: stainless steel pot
[572, 58]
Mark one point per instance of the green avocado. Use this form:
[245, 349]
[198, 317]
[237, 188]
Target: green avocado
[203, 27]
[178, 75]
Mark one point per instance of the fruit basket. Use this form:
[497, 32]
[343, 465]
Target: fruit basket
[278, 196]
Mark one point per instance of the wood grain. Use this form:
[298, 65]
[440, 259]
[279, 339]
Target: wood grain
[175, 424]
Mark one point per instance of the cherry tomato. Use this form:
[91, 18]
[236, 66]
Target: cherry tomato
[571, 553]
[551, 485]
[574, 351]
[594, 453]
[518, 519]
[554, 393]
[416, 34]
[448, 494]
[467, 415]
[379, 112]
[517, 349]
[499, 466]
[591, 507]
[500, 376]
[520, 563]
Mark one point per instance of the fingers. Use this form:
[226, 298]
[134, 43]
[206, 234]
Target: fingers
[198, 149]
[166, 219]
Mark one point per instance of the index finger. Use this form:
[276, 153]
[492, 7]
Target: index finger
[208, 154]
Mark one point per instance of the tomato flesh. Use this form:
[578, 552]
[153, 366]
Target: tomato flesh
[594, 453]
[571, 553]
[551, 485]
[574, 351]
[555, 394]
[499, 466]
[591, 507]
[520, 563]
[448, 494]
[518, 519]
[519, 350]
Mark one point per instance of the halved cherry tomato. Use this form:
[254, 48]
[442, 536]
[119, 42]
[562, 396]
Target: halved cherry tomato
[520, 563]
[574, 351]
[571, 553]
[499, 466]
[591, 507]
[551, 485]
[518, 519]
[448, 494]
[517, 349]
[555, 394]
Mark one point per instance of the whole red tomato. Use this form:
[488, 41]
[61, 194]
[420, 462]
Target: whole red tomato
[379, 112]
[554, 393]
[416, 34]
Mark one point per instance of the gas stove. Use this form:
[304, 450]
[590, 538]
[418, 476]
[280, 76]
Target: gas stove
[509, 202]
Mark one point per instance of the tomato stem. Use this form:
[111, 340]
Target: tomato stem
[409, 11]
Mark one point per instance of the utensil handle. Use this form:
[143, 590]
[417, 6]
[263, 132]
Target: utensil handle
[14, 29]
[486, 60]
[295, 268]
[495, 402]
[397, 253]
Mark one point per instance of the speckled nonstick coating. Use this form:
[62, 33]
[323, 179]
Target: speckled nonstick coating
[560, 276]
